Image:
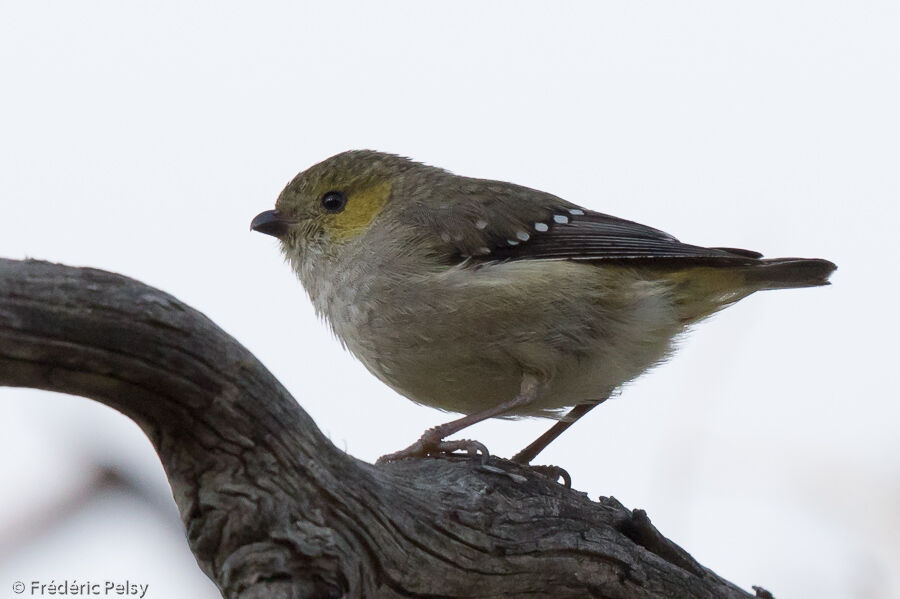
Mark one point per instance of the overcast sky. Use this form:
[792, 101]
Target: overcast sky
[142, 138]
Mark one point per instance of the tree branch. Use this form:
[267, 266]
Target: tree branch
[273, 509]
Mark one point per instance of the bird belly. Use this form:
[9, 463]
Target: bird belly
[474, 335]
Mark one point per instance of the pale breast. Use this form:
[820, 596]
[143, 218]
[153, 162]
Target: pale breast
[460, 340]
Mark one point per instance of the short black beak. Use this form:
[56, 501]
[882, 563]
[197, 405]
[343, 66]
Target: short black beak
[271, 223]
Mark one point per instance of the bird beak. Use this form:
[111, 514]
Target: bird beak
[271, 223]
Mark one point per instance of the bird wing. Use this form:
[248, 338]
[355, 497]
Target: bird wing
[481, 220]
[578, 234]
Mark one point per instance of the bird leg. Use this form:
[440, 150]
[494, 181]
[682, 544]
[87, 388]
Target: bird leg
[525, 456]
[432, 441]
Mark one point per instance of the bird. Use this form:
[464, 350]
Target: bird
[491, 299]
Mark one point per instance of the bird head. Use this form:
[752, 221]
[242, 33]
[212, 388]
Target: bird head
[335, 201]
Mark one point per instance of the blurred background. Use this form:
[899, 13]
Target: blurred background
[142, 138]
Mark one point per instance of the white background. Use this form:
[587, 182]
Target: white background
[142, 138]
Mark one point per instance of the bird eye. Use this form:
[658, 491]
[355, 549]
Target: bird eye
[334, 201]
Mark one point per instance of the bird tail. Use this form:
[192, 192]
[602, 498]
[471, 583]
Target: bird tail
[788, 273]
[701, 291]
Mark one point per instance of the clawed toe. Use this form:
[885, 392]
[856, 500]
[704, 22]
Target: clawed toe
[470, 446]
[554, 472]
[424, 448]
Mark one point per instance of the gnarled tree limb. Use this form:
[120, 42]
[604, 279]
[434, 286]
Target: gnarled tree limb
[273, 509]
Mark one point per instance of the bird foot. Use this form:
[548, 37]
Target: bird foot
[554, 472]
[428, 447]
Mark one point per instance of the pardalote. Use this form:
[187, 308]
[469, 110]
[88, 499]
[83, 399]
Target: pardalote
[490, 299]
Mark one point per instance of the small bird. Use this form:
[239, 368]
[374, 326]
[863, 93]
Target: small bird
[490, 299]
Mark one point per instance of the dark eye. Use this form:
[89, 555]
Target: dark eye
[334, 201]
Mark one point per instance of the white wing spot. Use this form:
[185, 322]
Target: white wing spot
[445, 237]
[576, 211]
[561, 218]
[512, 242]
[484, 251]
[523, 236]
[481, 224]
[542, 227]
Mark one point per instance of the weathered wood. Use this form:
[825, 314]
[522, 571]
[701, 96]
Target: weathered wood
[272, 509]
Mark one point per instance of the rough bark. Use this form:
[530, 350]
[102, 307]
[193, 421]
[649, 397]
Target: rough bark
[272, 509]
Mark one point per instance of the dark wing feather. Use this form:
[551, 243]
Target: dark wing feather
[593, 236]
[477, 220]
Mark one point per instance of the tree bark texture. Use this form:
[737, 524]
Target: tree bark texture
[272, 509]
